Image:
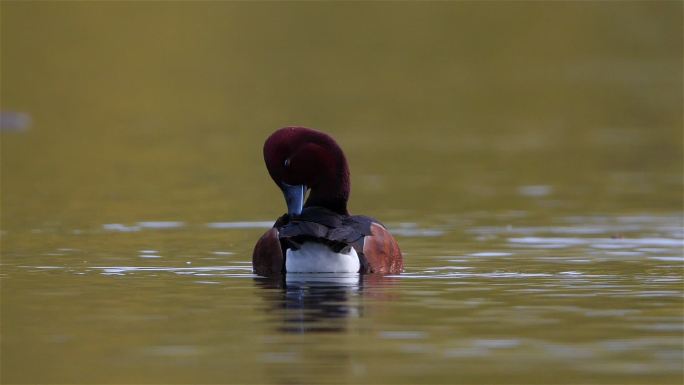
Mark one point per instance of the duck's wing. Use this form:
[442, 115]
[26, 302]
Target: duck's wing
[267, 258]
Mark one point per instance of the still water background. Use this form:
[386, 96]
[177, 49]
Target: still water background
[528, 156]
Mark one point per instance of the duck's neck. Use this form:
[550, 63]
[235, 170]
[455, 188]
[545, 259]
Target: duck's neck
[337, 205]
[332, 190]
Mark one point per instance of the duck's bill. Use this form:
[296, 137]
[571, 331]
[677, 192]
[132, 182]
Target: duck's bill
[294, 197]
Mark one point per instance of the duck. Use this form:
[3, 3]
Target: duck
[317, 234]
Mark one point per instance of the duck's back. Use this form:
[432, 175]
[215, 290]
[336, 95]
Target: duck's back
[375, 247]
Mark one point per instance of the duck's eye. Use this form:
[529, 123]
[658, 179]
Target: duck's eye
[287, 162]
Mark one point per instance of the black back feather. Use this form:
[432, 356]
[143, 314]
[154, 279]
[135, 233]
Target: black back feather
[318, 224]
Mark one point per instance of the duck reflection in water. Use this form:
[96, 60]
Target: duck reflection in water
[319, 303]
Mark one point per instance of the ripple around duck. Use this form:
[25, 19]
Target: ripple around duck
[411, 230]
[155, 225]
[199, 271]
[601, 242]
[490, 254]
[403, 335]
[668, 259]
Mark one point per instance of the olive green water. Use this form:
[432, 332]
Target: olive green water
[528, 157]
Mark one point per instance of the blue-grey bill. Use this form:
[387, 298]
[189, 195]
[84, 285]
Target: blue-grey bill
[294, 197]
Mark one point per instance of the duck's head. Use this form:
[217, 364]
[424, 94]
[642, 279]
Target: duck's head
[300, 159]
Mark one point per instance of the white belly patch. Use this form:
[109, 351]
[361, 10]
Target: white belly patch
[313, 257]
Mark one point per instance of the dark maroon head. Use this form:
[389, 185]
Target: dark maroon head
[300, 158]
